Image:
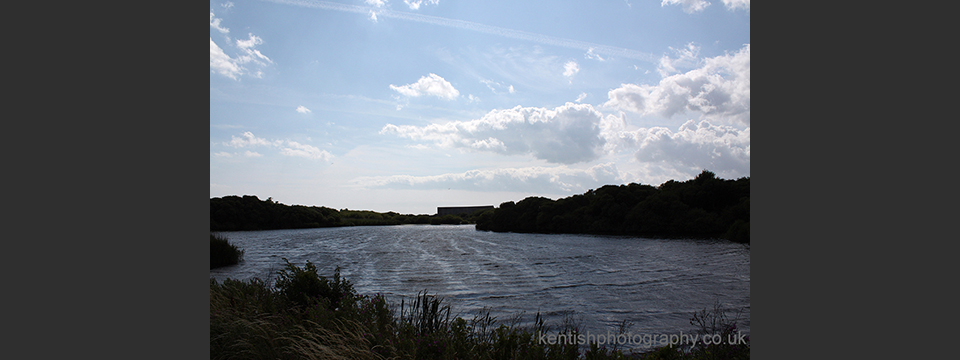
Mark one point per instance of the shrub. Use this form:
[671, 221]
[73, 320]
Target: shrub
[305, 287]
[222, 252]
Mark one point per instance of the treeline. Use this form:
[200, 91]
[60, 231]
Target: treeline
[704, 207]
[235, 213]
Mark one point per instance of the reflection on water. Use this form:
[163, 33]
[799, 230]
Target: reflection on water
[655, 284]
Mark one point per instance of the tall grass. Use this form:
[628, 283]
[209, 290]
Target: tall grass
[222, 252]
[307, 316]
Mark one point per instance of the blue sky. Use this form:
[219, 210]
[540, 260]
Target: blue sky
[392, 105]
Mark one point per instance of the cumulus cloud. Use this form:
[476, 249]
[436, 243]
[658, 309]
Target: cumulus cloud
[687, 57]
[689, 6]
[737, 4]
[719, 89]
[221, 63]
[567, 134]
[377, 3]
[302, 109]
[719, 148]
[570, 68]
[415, 4]
[215, 23]
[431, 84]
[536, 180]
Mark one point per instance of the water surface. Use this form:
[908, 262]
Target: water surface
[598, 281]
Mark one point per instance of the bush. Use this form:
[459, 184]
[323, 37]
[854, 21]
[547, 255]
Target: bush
[222, 252]
[305, 287]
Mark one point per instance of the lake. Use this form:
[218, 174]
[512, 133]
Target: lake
[597, 281]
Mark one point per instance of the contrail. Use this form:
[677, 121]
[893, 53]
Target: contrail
[472, 26]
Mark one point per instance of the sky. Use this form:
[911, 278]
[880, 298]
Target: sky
[410, 105]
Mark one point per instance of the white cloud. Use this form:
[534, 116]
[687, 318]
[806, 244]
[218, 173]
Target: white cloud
[692, 6]
[223, 154]
[294, 148]
[247, 139]
[415, 4]
[302, 109]
[533, 180]
[288, 148]
[231, 67]
[719, 89]
[581, 97]
[432, 84]
[688, 58]
[495, 86]
[215, 23]
[592, 55]
[694, 146]
[250, 53]
[567, 134]
[570, 68]
[221, 63]
[227, 5]
[377, 3]
[737, 4]
[689, 6]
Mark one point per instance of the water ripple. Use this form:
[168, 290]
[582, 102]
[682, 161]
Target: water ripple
[601, 281]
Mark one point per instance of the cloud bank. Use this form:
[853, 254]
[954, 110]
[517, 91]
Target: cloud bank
[567, 134]
[694, 146]
[720, 88]
[539, 180]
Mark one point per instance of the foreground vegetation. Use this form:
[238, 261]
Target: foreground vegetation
[222, 252]
[704, 207]
[308, 316]
[235, 213]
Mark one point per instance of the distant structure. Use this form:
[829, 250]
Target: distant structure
[455, 210]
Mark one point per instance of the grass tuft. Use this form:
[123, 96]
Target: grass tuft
[222, 252]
